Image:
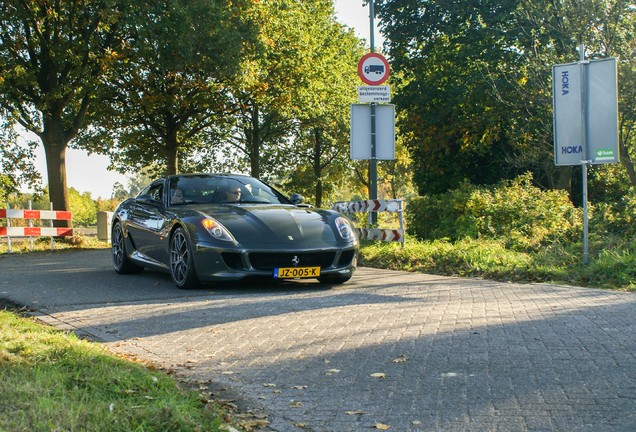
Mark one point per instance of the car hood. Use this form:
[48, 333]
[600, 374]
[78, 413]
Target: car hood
[284, 226]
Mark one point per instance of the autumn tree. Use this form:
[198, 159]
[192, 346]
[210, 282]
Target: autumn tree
[170, 96]
[475, 83]
[292, 122]
[263, 93]
[53, 56]
[322, 98]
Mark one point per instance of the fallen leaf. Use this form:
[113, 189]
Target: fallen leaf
[357, 412]
[378, 375]
[253, 424]
[381, 426]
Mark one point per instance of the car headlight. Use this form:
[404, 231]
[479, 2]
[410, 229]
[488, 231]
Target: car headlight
[345, 229]
[217, 230]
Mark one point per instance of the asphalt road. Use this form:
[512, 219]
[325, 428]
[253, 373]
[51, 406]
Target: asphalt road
[412, 351]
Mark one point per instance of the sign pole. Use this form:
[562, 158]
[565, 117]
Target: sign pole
[584, 79]
[373, 162]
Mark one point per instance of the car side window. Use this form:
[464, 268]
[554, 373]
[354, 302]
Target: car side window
[156, 191]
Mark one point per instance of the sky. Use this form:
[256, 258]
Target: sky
[89, 173]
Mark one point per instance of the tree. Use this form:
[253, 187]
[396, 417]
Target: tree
[323, 96]
[53, 56]
[550, 33]
[264, 120]
[476, 81]
[294, 96]
[173, 86]
[453, 125]
[16, 163]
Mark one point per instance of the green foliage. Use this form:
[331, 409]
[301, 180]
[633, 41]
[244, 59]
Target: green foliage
[51, 380]
[83, 207]
[517, 212]
[474, 79]
[16, 160]
[172, 84]
[53, 56]
[612, 261]
[618, 217]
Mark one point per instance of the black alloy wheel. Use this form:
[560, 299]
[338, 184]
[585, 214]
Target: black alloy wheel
[121, 262]
[181, 262]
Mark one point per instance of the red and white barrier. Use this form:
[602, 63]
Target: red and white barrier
[368, 206]
[35, 232]
[35, 214]
[31, 231]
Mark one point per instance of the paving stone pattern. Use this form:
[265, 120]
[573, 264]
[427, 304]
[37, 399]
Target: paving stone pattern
[415, 352]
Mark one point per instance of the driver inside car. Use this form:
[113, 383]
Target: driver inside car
[177, 197]
[233, 194]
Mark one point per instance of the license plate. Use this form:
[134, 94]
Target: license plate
[296, 272]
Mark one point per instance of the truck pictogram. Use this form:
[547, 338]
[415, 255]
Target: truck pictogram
[377, 69]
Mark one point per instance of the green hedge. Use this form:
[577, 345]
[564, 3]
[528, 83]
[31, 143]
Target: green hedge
[525, 216]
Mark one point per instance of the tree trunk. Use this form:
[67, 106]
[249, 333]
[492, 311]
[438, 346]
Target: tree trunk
[54, 142]
[172, 158]
[255, 145]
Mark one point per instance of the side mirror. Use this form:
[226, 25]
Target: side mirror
[297, 199]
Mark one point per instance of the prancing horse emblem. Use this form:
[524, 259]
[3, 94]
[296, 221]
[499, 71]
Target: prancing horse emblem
[295, 261]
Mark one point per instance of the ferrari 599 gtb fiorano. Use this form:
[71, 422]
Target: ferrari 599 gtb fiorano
[216, 227]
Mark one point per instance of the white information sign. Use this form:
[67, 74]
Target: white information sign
[378, 94]
[585, 111]
[361, 132]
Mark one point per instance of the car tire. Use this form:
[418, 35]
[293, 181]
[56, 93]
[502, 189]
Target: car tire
[182, 268]
[334, 279]
[121, 262]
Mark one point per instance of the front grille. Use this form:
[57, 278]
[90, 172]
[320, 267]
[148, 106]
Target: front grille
[270, 261]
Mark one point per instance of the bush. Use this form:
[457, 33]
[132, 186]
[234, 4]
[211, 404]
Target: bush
[616, 217]
[521, 214]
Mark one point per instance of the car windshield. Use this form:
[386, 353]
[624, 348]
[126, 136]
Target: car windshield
[222, 189]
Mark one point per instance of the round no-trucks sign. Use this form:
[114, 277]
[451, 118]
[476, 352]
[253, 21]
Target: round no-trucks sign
[373, 69]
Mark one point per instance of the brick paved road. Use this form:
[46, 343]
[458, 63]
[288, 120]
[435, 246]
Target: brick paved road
[416, 352]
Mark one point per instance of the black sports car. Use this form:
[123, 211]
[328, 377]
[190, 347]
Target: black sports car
[214, 227]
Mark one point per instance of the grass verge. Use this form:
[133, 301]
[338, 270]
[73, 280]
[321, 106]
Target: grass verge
[612, 263]
[53, 381]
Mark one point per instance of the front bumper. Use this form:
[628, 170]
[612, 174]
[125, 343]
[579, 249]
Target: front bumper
[216, 264]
